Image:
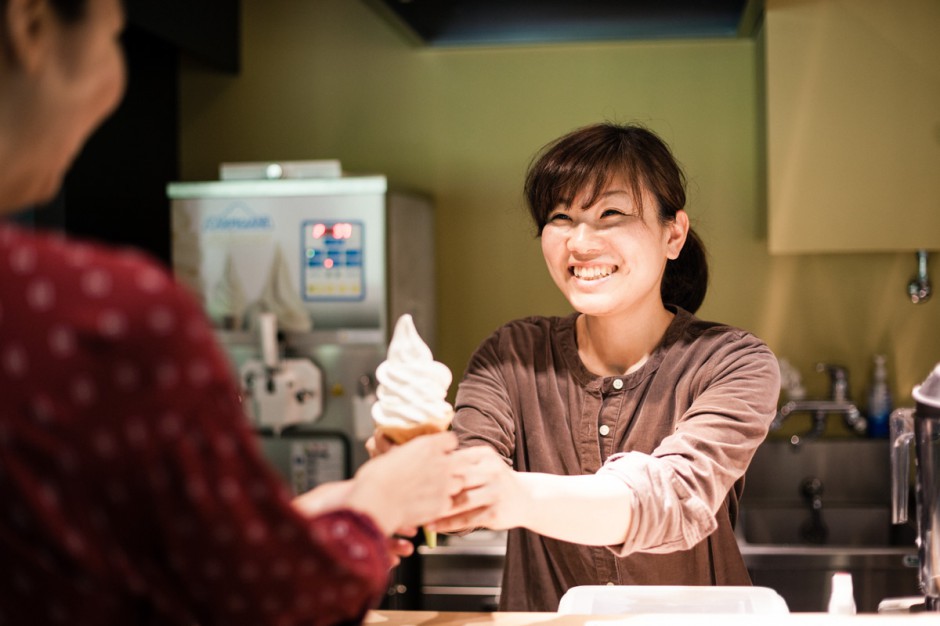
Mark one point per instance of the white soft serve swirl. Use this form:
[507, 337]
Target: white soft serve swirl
[412, 385]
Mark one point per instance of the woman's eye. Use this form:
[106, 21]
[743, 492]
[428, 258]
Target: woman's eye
[609, 212]
[559, 217]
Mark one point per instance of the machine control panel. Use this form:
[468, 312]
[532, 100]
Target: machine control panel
[333, 266]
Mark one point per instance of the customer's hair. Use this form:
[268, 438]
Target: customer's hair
[587, 159]
[69, 11]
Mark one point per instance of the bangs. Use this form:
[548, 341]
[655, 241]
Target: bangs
[580, 168]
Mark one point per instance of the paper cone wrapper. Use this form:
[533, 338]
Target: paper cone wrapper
[402, 434]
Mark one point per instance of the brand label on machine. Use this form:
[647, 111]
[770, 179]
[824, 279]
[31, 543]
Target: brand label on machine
[237, 217]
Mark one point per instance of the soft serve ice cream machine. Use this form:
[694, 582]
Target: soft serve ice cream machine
[300, 277]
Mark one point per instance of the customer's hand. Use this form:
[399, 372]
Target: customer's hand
[333, 495]
[323, 498]
[409, 484]
[401, 544]
[378, 444]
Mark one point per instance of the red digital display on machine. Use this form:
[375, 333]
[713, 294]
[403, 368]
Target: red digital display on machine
[339, 230]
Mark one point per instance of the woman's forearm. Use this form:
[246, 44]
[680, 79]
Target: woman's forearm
[593, 509]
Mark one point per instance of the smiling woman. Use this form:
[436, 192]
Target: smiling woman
[609, 239]
[636, 165]
[612, 442]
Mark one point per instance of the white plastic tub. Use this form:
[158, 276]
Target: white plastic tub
[617, 599]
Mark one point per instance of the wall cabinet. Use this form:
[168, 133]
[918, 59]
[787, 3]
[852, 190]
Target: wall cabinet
[853, 125]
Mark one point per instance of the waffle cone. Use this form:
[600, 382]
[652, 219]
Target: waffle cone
[401, 434]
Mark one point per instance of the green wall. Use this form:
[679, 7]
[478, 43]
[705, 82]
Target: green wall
[332, 79]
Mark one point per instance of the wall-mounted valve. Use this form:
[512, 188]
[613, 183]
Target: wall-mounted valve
[919, 288]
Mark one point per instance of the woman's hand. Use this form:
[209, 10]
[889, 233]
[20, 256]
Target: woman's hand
[492, 497]
[592, 509]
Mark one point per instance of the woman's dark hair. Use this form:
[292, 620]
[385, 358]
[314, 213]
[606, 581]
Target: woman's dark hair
[69, 11]
[588, 158]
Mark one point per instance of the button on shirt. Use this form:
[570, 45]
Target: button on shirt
[609, 411]
[131, 488]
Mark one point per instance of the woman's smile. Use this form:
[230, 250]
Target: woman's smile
[608, 257]
[592, 272]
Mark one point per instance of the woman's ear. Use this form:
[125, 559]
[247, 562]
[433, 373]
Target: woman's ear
[28, 25]
[677, 230]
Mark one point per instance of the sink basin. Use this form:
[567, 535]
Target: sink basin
[852, 471]
[820, 492]
[822, 507]
[835, 526]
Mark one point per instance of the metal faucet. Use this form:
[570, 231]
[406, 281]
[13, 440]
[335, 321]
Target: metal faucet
[838, 403]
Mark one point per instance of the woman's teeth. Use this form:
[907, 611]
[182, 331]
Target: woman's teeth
[594, 272]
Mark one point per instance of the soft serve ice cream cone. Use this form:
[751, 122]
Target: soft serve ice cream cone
[412, 388]
[411, 392]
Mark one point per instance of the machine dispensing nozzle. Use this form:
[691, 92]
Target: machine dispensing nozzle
[267, 338]
[283, 392]
[366, 386]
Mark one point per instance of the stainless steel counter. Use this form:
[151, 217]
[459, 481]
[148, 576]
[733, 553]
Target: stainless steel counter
[802, 574]
[464, 574]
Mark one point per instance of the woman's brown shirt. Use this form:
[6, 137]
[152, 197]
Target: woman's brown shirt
[680, 431]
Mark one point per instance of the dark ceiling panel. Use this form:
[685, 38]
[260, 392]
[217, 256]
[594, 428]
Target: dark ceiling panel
[207, 29]
[480, 22]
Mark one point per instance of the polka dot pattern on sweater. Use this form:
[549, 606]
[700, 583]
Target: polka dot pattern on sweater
[129, 473]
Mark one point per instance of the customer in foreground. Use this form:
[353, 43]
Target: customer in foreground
[131, 488]
[613, 441]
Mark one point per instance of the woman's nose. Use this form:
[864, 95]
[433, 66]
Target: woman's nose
[583, 239]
